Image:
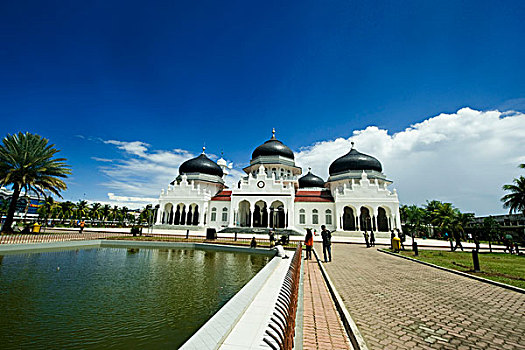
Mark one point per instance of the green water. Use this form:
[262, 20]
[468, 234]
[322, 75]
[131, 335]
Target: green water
[114, 298]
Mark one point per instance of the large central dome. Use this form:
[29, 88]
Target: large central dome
[354, 160]
[201, 165]
[273, 147]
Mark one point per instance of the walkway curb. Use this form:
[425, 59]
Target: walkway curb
[354, 335]
[481, 279]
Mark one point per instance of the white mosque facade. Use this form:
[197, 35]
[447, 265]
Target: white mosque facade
[273, 194]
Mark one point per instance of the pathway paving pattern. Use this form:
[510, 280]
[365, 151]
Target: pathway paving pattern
[322, 328]
[400, 304]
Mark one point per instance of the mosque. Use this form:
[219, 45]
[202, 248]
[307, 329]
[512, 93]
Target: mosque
[273, 194]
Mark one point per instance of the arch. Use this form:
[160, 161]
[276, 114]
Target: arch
[260, 214]
[328, 217]
[277, 215]
[365, 220]
[183, 215]
[348, 219]
[224, 214]
[176, 220]
[244, 214]
[196, 215]
[315, 217]
[168, 214]
[302, 216]
[382, 220]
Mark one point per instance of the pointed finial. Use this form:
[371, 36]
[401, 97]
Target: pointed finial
[352, 143]
[273, 133]
[203, 149]
[309, 169]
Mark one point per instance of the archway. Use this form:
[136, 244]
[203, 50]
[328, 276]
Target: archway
[260, 215]
[365, 221]
[244, 214]
[348, 219]
[382, 220]
[277, 215]
[196, 215]
[176, 221]
[168, 214]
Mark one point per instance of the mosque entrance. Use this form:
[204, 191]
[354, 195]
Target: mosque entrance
[244, 215]
[260, 215]
[382, 220]
[277, 215]
[365, 220]
[348, 219]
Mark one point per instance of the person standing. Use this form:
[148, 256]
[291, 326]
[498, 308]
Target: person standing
[372, 239]
[272, 238]
[365, 234]
[327, 243]
[392, 236]
[457, 237]
[253, 243]
[309, 243]
[82, 224]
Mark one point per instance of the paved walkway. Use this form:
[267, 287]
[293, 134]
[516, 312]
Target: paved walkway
[322, 328]
[399, 304]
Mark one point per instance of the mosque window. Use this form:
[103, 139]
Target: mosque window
[213, 214]
[302, 217]
[328, 216]
[315, 217]
[224, 214]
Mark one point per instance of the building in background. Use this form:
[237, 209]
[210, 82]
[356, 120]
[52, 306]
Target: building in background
[274, 195]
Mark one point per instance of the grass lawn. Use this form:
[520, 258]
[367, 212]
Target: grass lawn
[500, 267]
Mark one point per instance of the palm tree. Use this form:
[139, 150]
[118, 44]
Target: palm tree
[47, 209]
[81, 209]
[515, 200]
[115, 212]
[67, 210]
[27, 163]
[94, 211]
[414, 219]
[446, 218]
[4, 206]
[105, 211]
[123, 214]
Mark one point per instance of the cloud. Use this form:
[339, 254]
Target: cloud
[463, 157]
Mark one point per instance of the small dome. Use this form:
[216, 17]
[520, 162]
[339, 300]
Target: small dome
[202, 165]
[354, 160]
[310, 180]
[273, 147]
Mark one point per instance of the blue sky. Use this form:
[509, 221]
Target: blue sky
[177, 75]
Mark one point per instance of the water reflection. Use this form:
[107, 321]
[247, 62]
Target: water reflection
[114, 297]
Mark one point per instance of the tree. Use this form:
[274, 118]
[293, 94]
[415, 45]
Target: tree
[82, 209]
[414, 219]
[515, 200]
[94, 211]
[450, 220]
[47, 209]
[67, 210]
[105, 211]
[27, 163]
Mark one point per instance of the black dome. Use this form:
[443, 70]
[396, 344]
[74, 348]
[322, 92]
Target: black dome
[310, 180]
[273, 147]
[200, 164]
[354, 160]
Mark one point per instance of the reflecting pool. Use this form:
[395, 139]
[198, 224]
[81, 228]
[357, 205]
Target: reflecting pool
[115, 298]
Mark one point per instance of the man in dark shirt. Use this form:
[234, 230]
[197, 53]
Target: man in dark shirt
[327, 243]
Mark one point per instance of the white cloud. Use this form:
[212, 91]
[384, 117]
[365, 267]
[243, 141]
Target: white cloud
[463, 158]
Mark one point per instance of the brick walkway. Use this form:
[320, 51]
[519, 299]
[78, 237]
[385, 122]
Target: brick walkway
[322, 328]
[399, 304]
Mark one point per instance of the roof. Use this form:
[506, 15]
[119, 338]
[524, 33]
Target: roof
[313, 196]
[224, 195]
